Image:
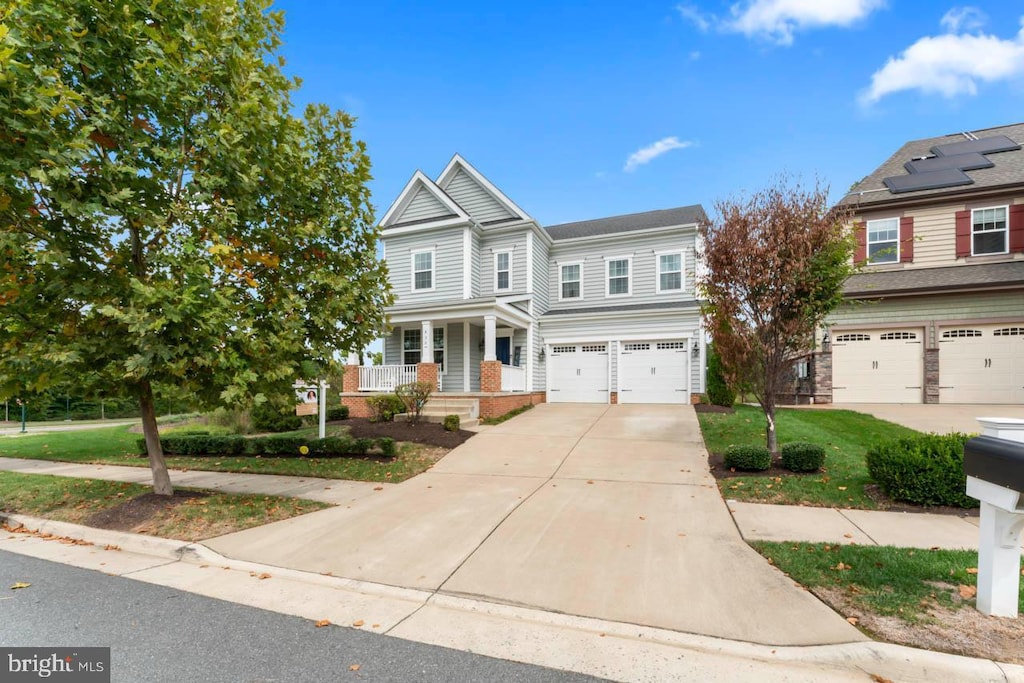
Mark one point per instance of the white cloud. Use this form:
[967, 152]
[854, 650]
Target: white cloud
[695, 55]
[693, 14]
[963, 19]
[777, 20]
[949, 65]
[653, 151]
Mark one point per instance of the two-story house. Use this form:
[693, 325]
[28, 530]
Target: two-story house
[495, 307]
[936, 314]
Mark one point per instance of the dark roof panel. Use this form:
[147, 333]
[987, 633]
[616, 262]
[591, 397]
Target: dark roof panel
[987, 145]
[962, 162]
[918, 280]
[950, 177]
[684, 215]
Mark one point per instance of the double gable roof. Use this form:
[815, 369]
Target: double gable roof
[968, 163]
[459, 195]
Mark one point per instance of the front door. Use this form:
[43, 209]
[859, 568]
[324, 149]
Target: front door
[503, 350]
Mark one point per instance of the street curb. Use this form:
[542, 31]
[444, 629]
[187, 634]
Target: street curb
[894, 662]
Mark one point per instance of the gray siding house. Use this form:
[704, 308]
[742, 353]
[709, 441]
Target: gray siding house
[496, 304]
[936, 314]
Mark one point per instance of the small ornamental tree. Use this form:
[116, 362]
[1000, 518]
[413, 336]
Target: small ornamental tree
[776, 263]
[166, 220]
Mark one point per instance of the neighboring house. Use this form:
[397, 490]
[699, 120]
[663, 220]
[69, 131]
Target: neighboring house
[936, 315]
[490, 304]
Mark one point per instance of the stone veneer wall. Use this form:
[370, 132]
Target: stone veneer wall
[931, 375]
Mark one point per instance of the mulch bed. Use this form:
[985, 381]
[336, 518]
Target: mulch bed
[708, 408]
[716, 461]
[427, 433]
[132, 512]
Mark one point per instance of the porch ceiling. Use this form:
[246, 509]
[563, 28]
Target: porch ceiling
[469, 310]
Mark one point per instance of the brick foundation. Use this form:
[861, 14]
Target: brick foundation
[357, 406]
[427, 372]
[490, 376]
[496, 406]
[350, 380]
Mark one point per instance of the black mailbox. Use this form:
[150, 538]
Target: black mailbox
[995, 460]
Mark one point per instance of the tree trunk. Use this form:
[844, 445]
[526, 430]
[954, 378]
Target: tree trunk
[769, 418]
[161, 479]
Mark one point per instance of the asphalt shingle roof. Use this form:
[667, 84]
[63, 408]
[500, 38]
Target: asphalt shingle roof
[911, 280]
[1008, 169]
[683, 215]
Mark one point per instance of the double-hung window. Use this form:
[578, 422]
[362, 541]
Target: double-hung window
[884, 241]
[988, 231]
[670, 272]
[570, 284]
[619, 277]
[411, 341]
[422, 271]
[502, 270]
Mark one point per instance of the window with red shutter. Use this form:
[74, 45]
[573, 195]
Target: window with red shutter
[906, 239]
[963, 233]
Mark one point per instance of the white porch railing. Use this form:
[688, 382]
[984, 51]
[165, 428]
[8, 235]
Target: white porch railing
[513, 378]
[385, 377]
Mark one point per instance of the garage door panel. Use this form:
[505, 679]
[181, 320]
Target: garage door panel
[981, 363]
[878, 366]
[579, 373]
[654, 372]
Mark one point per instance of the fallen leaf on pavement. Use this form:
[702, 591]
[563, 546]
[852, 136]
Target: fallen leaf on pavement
[20, 584]
[358, 623]
[847, 535]
[354, 667]
[322, 623]
[880, 679]
[375, 488]
[852, 620]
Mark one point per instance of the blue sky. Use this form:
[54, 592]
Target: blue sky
[551, 100]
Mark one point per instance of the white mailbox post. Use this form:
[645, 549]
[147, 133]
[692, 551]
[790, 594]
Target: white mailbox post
[994, 465]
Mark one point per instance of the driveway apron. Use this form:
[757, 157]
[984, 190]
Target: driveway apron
[600, 511]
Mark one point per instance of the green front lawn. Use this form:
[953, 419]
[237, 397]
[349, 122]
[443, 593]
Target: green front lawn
[846, 436]
[75, 500]
[117, 446]
[900, 582]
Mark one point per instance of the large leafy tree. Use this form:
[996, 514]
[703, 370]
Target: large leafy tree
[776, 262]
[165, 219]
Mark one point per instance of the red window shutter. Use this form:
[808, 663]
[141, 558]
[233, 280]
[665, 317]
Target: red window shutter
[1017, 227]
[860, 233]
[906, 239]
[963, 233]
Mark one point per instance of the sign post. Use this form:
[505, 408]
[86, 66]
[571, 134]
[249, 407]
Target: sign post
[323, 409]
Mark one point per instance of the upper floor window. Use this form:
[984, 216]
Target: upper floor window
[988, 231]
[503, 270]
[618, 283]
[884, 241]
[570, 286]
[670, 272]
[422, 271]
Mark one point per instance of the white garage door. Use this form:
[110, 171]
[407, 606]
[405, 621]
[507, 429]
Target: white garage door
[878, 366]
[654, 372]
[981, 364]
[579, 373]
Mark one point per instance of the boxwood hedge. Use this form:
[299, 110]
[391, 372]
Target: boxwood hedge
[925, 470]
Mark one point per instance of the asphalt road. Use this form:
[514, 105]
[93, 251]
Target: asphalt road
[160, 634]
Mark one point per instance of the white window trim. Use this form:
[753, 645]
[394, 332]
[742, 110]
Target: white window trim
[1006, 230]
[433, 270]
[607, 278]
[401, 345]
[496, 255]
[444, 345]
[419, 349]
[562, 264]
[867, 241]
[682, 271]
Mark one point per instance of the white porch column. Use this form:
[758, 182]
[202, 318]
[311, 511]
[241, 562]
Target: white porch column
[427, 343]
[529, 355]
[490, 333]
[353, 358]
[465, 356]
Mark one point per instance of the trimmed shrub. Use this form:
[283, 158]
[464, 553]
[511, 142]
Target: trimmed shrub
[361, 446]
[925, 470]
[718, 390]
[801, 456]
[749, 458]
[270, 418]
[337, 413]
[414, 396]
[277, 445]
[451, 423]
[384, 407]
[387, 446]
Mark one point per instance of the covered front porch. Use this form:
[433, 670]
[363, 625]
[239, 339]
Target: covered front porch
[475, 346]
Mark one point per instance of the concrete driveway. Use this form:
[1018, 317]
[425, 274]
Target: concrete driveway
[939, 418]
[591, 510]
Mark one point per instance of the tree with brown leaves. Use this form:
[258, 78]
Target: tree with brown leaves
[776, 263]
